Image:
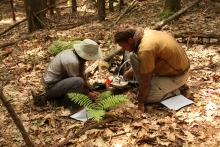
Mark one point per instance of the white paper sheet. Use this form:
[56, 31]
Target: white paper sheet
[177, 102]
[81, 115]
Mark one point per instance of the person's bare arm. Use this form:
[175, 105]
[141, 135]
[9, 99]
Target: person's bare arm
[91, 93]
[144, 88]
[128, 74]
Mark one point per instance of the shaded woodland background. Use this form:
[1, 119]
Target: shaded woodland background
[25, 56]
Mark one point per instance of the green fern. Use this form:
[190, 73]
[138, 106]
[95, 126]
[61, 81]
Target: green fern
[81, 99]
[98, 108]
[104, 95]
[60, 45]
[112, 102]
[96, 114]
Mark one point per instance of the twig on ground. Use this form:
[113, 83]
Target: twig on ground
[40, 21]
[85, 129]
[159, 25]
[130, 7]
[17, 121]
[22, 38]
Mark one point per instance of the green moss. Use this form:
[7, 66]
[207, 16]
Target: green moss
[162, 15]
[61, 45]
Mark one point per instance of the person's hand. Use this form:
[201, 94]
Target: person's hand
[93, 95]
[141, 107]
[128, 74]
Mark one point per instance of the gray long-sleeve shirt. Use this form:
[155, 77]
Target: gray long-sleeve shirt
[65, 64]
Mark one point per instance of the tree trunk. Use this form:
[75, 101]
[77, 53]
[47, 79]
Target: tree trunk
[172, 6]
[74, 6]
[12, 10]
[111, 5]
[51, 2]
[121, 3]
[101, 9]
[34, 21]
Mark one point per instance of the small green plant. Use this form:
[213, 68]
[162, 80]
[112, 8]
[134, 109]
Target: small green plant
[38, 121]
[8, 98]
[13, 90]
[162, 15]
[118, 6]
[47, 140]
[60, 45]
[69, 2]
[98, 108]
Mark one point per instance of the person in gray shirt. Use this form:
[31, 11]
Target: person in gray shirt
[66, 72]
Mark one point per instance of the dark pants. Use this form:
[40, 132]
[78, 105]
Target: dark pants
[63, 87]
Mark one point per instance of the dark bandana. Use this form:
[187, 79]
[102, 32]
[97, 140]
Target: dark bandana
[137, 38]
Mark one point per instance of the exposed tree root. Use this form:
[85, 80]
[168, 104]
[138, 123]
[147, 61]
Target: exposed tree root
[160, 24]
[202, 38]
[17, 121]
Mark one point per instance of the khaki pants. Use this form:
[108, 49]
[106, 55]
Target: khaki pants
[161, 87]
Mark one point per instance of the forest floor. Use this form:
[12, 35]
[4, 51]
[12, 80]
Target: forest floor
[197, 124]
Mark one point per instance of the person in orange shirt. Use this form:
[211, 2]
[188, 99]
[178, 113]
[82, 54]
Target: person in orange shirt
[158, 63]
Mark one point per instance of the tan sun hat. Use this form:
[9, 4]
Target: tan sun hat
[88, 50]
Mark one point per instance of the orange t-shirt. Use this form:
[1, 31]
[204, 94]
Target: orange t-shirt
[161, 53]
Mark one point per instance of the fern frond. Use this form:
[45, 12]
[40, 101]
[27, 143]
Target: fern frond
[94, 106]
[104, 95]
[96, 114]
[81, 99]
[98, 108]
[112, 101]
[59, 46]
